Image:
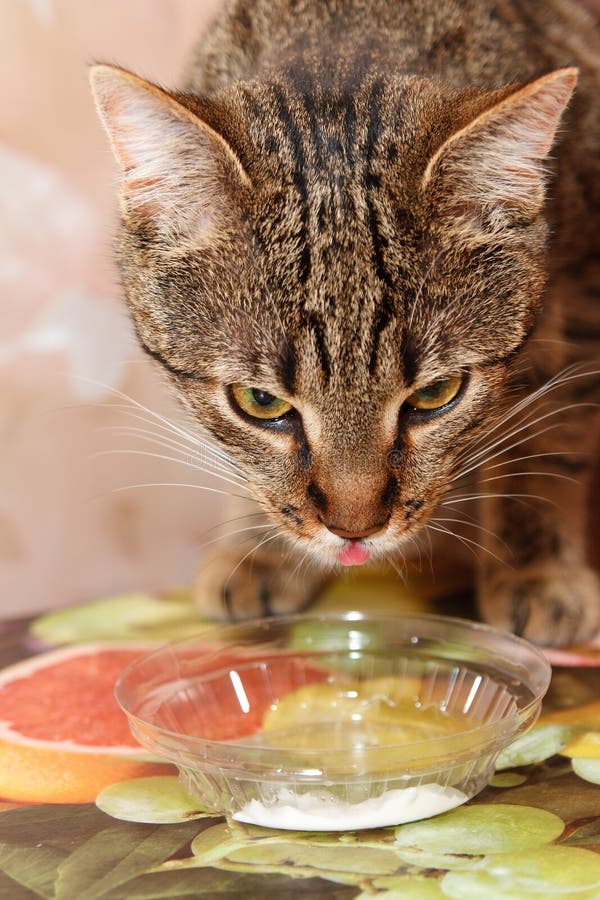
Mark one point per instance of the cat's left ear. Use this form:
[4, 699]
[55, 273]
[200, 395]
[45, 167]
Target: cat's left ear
[493, 168]
[178, 175]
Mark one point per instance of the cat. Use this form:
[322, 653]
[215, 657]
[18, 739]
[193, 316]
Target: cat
[363, 242]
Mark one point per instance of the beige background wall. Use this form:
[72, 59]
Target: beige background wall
[67, 531]
[65, 535]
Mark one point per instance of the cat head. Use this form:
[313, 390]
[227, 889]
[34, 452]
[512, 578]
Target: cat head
[337, 282]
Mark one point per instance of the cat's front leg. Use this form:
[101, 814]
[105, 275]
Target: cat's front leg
[251, 572]
[538, 582]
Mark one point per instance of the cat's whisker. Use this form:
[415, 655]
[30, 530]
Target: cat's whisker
[559, 342]
[475, 525]
[176, 446]
[297, 570]
[511, 496]
[430, 551]
[517, 459]
[131, 401]
[473, 522]
[498, 443]
[288, 550]
[553, 383]
[181, 484]
[190, 453]
[235, 533]
[158, 420]
[390, 559]
[530, 474]
[415, 543]
[251, 552]
[230, 522]
[557, 381]
[159, 430]
[481, 463]
[159, 433]
[172, 459]
[462, 512]
[446, 531]
[433, 524]
[427, 532]
[195, 442]
[495, 425]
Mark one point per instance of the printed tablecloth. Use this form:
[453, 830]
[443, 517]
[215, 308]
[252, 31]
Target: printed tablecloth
[533, 833]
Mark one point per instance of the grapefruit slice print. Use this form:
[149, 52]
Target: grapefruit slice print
[63, 738]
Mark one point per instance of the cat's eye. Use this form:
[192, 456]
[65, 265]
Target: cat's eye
[258, 403]
[437, 394]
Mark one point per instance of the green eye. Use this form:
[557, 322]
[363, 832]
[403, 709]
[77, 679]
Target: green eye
[437, 394]
[258, 403]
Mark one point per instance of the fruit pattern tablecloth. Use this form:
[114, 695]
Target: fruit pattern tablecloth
[533, 833]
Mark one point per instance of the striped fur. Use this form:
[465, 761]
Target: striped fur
[350, 200]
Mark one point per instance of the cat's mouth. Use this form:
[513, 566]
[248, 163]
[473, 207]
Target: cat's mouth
[330, 549]
[353, 553]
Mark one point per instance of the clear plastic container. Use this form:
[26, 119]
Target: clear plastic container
[335, 722]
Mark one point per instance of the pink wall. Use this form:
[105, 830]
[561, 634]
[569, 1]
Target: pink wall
[65, 534]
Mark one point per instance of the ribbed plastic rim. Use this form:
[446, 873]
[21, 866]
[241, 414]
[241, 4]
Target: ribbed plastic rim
[209, 752]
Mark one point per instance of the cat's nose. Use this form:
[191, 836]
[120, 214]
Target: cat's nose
[353, 534]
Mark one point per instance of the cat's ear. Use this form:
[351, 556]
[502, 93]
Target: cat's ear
[178, 175]
[494, 167]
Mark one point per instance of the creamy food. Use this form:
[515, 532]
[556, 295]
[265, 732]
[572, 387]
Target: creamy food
[319, 812]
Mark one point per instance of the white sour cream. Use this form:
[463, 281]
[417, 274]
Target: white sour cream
[319, 812]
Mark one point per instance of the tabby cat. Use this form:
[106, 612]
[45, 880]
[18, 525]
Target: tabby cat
[363, 243]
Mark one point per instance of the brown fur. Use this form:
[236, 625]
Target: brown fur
[348, 203]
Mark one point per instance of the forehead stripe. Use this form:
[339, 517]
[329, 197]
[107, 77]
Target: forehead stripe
[372, 182]
[316, 327]
[296, 146]
[410, 360]
[287, 368]
[382, 317]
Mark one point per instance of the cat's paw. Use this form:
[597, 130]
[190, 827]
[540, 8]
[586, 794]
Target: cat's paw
[264, 584]
[551, 604]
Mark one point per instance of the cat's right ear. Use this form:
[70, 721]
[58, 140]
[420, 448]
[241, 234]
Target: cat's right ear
[178, 175]
[493, 169]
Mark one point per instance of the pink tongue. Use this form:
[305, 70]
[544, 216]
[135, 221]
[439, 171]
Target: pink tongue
[353, 554]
